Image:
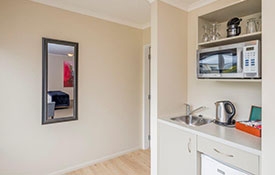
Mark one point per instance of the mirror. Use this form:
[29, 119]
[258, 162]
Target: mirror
[60, 63]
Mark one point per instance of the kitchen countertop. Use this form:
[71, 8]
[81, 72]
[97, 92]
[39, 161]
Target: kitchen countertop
[226, 135]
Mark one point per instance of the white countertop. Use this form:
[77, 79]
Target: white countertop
[222, 134]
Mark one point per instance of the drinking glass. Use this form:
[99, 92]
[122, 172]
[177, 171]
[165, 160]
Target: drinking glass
[205, 36]
[214, 34]
[259, 23]
[251, 25]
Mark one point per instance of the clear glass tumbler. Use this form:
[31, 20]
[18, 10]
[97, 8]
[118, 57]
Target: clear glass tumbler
[251, 25]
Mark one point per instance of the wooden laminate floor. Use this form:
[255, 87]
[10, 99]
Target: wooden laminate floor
[135, 163]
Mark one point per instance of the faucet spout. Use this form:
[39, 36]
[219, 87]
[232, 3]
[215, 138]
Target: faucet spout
[195, 110]
[188, 109]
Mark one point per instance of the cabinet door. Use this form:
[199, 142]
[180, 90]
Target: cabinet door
[176, 151]
[210, 166]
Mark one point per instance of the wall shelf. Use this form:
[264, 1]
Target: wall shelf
[230, 40]
[233, 80]
[243, 9]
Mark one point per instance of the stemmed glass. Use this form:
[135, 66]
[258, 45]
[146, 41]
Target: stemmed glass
[214, 34]
[218, 35]
[205, 36]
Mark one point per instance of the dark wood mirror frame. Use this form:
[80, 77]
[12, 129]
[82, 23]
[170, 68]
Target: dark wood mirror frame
[45, 61]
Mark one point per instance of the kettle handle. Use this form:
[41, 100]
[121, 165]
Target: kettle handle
[232, 107]
[239, 30]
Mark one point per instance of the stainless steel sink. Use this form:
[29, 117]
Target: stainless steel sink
[192, 120]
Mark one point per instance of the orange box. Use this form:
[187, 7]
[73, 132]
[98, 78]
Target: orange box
[249, 129]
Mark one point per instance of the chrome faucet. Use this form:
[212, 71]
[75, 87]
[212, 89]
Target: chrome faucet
[188, 109]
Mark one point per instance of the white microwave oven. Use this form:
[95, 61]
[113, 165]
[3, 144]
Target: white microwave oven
[234, 61]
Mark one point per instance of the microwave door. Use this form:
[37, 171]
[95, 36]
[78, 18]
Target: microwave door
[218, 64]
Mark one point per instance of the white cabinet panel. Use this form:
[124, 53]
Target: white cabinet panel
[210, 166]
[244, 160]
[176, 151]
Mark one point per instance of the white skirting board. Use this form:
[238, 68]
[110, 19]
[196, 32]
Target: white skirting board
[92, 162]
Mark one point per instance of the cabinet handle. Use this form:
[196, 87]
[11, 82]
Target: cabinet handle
[189, 143]
[221, 171]
[228, 155]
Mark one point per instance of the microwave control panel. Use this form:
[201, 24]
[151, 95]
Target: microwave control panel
[250, 59]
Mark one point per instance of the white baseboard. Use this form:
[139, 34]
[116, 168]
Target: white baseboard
[92, 162]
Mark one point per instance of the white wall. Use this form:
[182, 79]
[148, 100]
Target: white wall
[268, 139]
[110, 86]
[206, 93]
[56, 72]
[154, 87]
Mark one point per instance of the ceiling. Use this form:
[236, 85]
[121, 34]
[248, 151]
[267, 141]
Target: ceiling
[135, 13]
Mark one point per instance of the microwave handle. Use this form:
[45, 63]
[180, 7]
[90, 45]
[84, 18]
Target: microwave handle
[242, 60]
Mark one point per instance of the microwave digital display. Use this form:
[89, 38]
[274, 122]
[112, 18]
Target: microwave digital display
[222, 61]
[249, 48]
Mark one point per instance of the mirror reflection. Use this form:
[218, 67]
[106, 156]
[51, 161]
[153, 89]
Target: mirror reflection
[59, 81]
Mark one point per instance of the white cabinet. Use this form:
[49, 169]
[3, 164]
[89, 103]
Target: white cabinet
[177, 154]
[211, 166]
[229, 155]
[180, 149]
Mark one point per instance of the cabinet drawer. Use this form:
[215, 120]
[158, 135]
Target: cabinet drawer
[227, 154]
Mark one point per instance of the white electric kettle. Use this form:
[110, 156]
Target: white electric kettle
[225, 111]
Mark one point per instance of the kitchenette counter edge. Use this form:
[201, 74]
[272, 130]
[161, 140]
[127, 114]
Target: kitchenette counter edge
[225, 135]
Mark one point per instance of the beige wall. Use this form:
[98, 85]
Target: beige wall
[203, 92]
[110, 82]
[268, 84]
[147, 36]
[169, 73]
[172, 59]
[55, 73]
